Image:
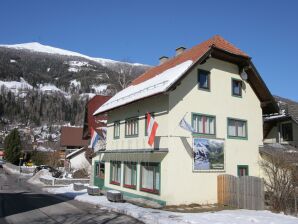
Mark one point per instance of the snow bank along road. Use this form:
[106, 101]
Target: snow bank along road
[22, 204]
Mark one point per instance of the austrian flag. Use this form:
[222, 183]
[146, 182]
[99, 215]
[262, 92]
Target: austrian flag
[151, 129]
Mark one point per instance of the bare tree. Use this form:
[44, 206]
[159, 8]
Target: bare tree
[125, 74]
[280, 179]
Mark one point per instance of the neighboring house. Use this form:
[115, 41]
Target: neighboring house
[281, 129]
[77, 160]
[213, 86]
[70, 141]
[97, 123]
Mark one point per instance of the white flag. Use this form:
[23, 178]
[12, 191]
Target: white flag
[186, 126]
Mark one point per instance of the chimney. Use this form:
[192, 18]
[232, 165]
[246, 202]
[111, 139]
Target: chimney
[180, 50]
[163, 59]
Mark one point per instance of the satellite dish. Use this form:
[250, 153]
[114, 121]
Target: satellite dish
[243, 75]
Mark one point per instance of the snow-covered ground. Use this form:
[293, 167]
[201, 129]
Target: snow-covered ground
[15, 86]
[12, 170]
[165, 217]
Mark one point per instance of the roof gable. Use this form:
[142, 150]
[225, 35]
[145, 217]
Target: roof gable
[177, 68]
[192, 54]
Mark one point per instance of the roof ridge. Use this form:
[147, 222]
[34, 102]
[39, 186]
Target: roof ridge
[193, 54]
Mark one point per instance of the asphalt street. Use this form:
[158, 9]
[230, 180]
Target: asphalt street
[22, 203]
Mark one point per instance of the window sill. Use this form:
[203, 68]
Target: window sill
[238, 96]
[237, 137]
[129, 186]
[204, 89]
[115, 183]
[204, 135]
[149, 191]
[131, 136]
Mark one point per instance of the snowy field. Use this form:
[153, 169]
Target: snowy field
[155, 216]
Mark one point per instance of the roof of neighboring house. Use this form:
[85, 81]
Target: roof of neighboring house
[75, 153]
[289, 107]
[91, 121]
[163, 77]
[72, 136]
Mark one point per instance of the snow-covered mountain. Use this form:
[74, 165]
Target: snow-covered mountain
[44, 84]
[37, 47]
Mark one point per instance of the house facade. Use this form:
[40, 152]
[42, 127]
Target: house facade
[203, 87]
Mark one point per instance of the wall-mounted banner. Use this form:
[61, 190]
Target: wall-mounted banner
[208, 154]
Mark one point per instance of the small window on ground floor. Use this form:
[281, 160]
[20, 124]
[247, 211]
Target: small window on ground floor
[130, 175]
[115, 172]
[242, 170]
[150, 177]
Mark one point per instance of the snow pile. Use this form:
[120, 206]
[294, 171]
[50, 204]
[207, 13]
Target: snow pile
[155, 85]
[164, 217]
[40, 174]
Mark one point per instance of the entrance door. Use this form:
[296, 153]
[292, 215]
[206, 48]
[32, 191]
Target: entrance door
[99, 174]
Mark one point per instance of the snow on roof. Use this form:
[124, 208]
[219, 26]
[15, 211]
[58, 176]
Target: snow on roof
[74, 152]
[155, 85]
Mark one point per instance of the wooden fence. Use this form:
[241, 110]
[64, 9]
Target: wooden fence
[245, 192]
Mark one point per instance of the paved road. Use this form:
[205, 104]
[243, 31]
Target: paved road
[20, 203]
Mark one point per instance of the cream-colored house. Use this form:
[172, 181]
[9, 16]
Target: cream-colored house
[214, 87]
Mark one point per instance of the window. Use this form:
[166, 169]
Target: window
[100, 170]
[287, 132]
[132, 127]
[117, 129]
[237, 128]
[130, 175]
[236, 87]
[203, 124]
[150, 177]
[204, 79]
[242, 170]
[115, 172]
[152, 115]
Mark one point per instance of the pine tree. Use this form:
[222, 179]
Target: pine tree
[12, 144]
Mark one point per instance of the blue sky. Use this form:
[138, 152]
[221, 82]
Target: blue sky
[142, 31]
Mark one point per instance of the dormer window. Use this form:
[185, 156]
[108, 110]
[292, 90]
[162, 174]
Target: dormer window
[204, 79]
[287, 132]
[237, 87]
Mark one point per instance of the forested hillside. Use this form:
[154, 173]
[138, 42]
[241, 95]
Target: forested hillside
[47, 87]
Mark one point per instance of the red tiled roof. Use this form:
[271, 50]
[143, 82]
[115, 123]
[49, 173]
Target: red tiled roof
[193, 54]
[72, 136]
